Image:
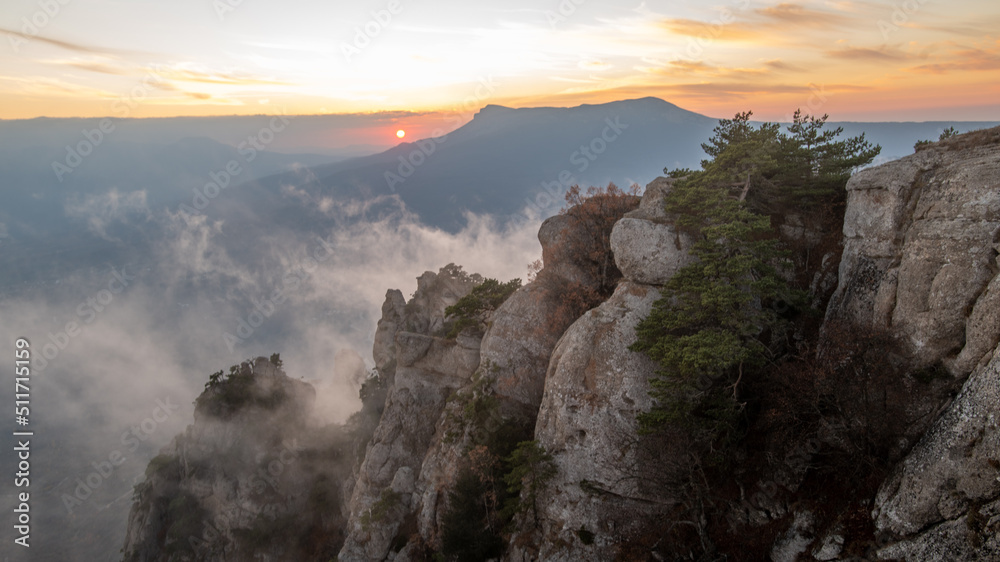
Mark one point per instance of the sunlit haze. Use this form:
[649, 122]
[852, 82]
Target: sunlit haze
[877, 60]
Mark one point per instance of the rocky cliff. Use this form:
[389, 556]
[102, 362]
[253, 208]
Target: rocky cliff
[248, 480]
[918, 274]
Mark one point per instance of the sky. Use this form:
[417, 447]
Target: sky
[431, 62]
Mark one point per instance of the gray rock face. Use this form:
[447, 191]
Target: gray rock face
[515, 353]
[647, 247]
[971, 537]
[651, 205]
[954, 469]
[921, 238]
[649, 252]
[427, 369]
[594, 389]
[392, 321]
[559, 239]
[796, 539]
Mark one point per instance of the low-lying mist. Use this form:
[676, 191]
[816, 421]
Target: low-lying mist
[122, 349]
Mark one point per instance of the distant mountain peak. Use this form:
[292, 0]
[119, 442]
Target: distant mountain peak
[647, 104]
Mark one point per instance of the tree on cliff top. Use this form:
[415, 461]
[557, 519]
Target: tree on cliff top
[718, 317]
[780, 173]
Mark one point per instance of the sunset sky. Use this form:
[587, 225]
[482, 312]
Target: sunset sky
[857, 60]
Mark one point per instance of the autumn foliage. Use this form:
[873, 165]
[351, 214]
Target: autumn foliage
[592, 215]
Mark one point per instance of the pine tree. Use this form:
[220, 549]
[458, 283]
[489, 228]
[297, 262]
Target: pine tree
[715, 323]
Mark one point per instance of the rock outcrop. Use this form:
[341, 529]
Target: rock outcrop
[514, 354]
[648, 248]
[604, 489]
[243, 475]
[424, 369]
[921, 237]
[594, 390]
[944, 499]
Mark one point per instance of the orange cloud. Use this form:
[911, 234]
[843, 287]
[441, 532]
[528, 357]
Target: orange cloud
[797, 14]
[880, 54]
[778, 64]
[964, 60]
[706, 30]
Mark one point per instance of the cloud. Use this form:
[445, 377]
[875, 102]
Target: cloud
[186, 73]
[799, 15]
[594, 64]
[685, 67]
[975, 60]
[102, 211]
[879, 54]
[778, 64]
[67, 45]
[711, 30]
[763, 25]
[98, 67]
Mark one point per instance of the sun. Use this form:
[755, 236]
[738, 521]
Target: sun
[400, 133]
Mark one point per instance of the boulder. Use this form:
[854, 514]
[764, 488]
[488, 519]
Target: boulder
[649, 252]
[647, 247]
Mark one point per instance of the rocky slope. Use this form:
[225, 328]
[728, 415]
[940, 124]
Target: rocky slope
[919, 267]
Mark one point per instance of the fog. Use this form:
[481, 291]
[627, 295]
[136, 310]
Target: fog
[122, 350]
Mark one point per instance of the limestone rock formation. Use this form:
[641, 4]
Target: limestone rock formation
[594, 389]
[605, 486]
[424, 369]
[647, 247]
[649, 252]
[921, 236]
[231, 484]
[515, 353]
[945, 496]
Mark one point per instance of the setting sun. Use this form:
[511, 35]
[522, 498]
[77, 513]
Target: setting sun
[400, 133]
